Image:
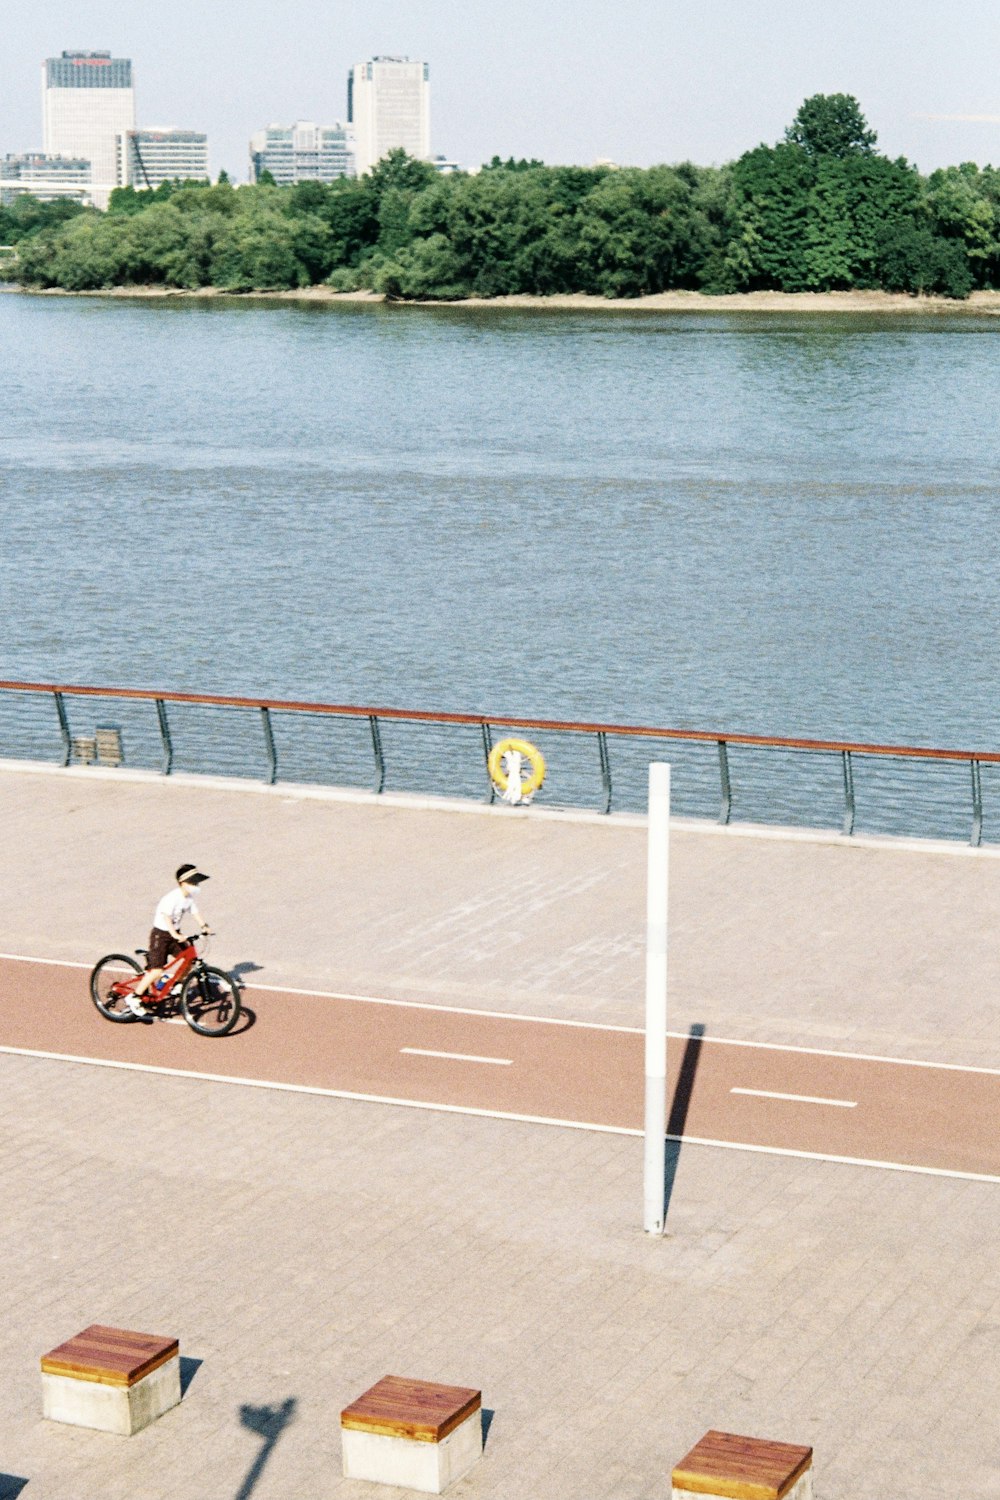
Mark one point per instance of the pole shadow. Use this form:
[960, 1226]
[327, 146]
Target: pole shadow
[679, 1107]
[268, 1422]
[11, 1486]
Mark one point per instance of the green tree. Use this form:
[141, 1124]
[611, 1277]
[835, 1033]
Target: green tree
[427, 269]
[772, 185]
[912, 258]
[852, 200]
[522, 164]
[831, 125]
[351, 216]
[28, 215]
[399, 171]
[86, 254]
[962, 209]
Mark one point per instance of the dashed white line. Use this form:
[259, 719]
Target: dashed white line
[496, 1114]
[500, 1062]
[797, 1098]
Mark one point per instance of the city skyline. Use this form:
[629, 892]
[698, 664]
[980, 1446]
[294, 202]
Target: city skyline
[668, 83]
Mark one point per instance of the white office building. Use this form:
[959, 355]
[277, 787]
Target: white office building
[88, 101]
[146, 158]
[303, 152]
[389, 105]
[44, 177]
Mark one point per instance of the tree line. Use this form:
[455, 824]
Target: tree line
[821, 210]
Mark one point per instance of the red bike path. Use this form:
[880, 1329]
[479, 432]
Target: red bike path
[886, 1112]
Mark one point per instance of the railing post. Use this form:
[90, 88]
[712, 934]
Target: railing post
[63, 728]
[379, 757]
[165, 740]
[977, 805]
[848, 824]
[491, 791]
[602, 745]
[726, 809]
[272, 754]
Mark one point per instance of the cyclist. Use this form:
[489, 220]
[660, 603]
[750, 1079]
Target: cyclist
[165, 940]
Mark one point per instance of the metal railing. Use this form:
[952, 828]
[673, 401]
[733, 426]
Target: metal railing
[375, 721]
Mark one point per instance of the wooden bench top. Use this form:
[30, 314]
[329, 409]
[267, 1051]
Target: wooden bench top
[411, 1409]
[741, 1468]
[109, 1356]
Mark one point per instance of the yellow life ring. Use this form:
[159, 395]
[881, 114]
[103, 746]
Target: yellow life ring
[530, 753]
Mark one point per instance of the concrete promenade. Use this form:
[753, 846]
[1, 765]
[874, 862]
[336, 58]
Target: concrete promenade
[303, 1246]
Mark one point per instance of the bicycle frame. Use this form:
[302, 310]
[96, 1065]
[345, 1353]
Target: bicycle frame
[174, 973]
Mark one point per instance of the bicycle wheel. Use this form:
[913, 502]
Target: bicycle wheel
[210, 1001]
[108, 985]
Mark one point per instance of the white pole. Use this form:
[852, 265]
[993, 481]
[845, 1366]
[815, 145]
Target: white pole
[657, 870]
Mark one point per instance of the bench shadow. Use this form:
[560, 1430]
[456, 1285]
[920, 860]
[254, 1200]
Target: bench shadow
[189, 1369]
[267, 1422]
[679, 1106]
[488, 1414]
[11, 1486]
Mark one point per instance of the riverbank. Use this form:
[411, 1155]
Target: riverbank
[875, 302]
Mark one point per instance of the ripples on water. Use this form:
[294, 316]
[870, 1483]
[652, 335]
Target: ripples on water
[777, 523]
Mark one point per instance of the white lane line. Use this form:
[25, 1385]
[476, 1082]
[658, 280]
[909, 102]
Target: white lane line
[58, 963]
[500, 1062]
[497, 1114]
[507, 1015]
[797, 1098]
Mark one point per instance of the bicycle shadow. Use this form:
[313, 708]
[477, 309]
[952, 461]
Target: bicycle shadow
[173, 1016]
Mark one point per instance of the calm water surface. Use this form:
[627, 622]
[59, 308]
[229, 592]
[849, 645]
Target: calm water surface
[778, 523]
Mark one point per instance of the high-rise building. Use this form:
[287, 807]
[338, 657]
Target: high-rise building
[44, 177]
[302, 152]
[389, 105]
[161, 154]
[88, 101]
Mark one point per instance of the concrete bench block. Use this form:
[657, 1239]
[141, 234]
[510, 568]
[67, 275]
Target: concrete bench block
[111, 1379]
[413, 1434]
[729, 1467]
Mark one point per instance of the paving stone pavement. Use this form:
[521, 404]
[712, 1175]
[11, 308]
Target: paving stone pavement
[301, 1247]
[883, 948]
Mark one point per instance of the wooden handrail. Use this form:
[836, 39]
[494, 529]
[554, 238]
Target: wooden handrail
[424, 716]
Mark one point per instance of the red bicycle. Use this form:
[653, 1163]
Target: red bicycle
[208, 998]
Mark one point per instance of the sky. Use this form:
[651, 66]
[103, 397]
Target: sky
[638, 82]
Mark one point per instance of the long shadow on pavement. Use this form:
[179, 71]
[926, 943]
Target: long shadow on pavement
[679, 1106]
[268, 1422]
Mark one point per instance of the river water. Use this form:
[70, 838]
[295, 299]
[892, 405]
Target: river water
[769, 522]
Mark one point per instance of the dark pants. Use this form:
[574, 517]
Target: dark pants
[162, 948]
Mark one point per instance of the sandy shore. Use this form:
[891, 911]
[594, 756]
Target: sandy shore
[798, 302]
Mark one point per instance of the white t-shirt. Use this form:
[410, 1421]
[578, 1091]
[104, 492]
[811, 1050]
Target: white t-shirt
[172, 910]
